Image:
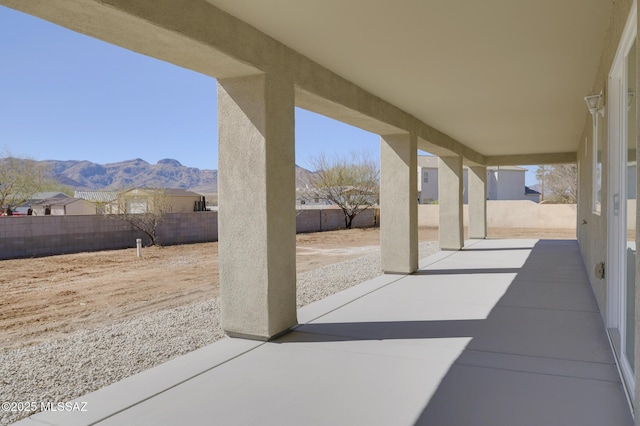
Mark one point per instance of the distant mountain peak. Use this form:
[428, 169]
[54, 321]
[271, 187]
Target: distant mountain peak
[170, 161]
[166, 173]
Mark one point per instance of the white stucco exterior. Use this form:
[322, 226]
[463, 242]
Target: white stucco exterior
[63, 207]
[503, 182]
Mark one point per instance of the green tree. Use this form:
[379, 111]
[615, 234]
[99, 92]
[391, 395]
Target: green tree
[351, 182]
[20, 179]
[55, 186]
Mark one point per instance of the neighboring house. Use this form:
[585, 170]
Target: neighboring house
[99, 198]
[532, 194]
[302, 198]
[503, 182]
[38, 197]
[141, 200]
[63, 206]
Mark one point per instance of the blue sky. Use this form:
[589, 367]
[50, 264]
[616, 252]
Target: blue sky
[66, 96]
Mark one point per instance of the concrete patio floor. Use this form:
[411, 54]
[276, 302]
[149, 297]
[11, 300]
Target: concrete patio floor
[505, 332]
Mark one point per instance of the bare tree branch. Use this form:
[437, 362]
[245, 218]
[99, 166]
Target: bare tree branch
[351, 182]
[20, 179]
[143, 209]
[559, 183]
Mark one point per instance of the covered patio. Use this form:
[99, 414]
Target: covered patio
[487, 332]
[503, 332]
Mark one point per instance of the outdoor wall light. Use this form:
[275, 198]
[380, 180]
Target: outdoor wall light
[593, 103]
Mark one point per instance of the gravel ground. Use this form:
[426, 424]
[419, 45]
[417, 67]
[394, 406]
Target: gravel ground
[61, 370]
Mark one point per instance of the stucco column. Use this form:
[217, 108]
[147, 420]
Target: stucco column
[398, 203]
[477, 202]
[256, 219]
[451, 233]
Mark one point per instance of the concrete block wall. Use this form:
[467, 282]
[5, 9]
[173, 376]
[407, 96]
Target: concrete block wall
[329, 219]
[33, 236]
[308, 220]
[187, 228]
[511, 214]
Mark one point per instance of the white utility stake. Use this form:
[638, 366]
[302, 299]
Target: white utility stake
[139, 246]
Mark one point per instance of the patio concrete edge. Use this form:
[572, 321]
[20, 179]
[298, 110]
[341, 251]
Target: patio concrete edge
[322, 307]
[125, 393]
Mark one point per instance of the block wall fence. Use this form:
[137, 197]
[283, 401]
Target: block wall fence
[511, 214]
[33, 236]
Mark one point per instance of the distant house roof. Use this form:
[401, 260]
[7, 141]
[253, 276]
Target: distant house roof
[529, 191]
[181, 193]
[97, 196]
[39, 196]
[46, 195]
[57, 201]
[171, 192]
[431, 161]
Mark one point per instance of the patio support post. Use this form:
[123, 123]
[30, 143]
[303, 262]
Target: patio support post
[256, 219]
[398, 203]
[451, 232]
[477, 202]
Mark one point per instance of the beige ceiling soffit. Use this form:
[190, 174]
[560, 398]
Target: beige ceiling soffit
[438, 143]
[473, 157]
[470, 163]
[317, 104]
[327, 87]
[426, 146]
[122, 27]
[313, 78]
[549, 158]
[207, 24]
[206, 39]
[375, 115]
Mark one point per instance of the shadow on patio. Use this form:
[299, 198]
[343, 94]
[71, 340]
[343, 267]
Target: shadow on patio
[504, 332]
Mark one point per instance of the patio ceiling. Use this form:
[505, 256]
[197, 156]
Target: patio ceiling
[501, 77]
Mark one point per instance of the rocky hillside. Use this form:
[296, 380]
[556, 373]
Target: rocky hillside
[167, 173]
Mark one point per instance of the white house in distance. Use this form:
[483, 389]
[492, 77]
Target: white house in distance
[503, 182]
[38, 198]
[138, 200]
[63, 207]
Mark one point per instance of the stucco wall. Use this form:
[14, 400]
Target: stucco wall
[80, 207]
[510, 185]
[592, 231]
[501, 185]
[512, 214]
[429, 190]
[182, 204]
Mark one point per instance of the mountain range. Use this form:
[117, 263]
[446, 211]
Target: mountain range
[167, 173]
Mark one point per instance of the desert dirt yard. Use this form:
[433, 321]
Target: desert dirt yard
[50, 297]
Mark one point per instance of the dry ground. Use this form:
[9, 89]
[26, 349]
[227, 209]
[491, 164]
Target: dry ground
[49, 297]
